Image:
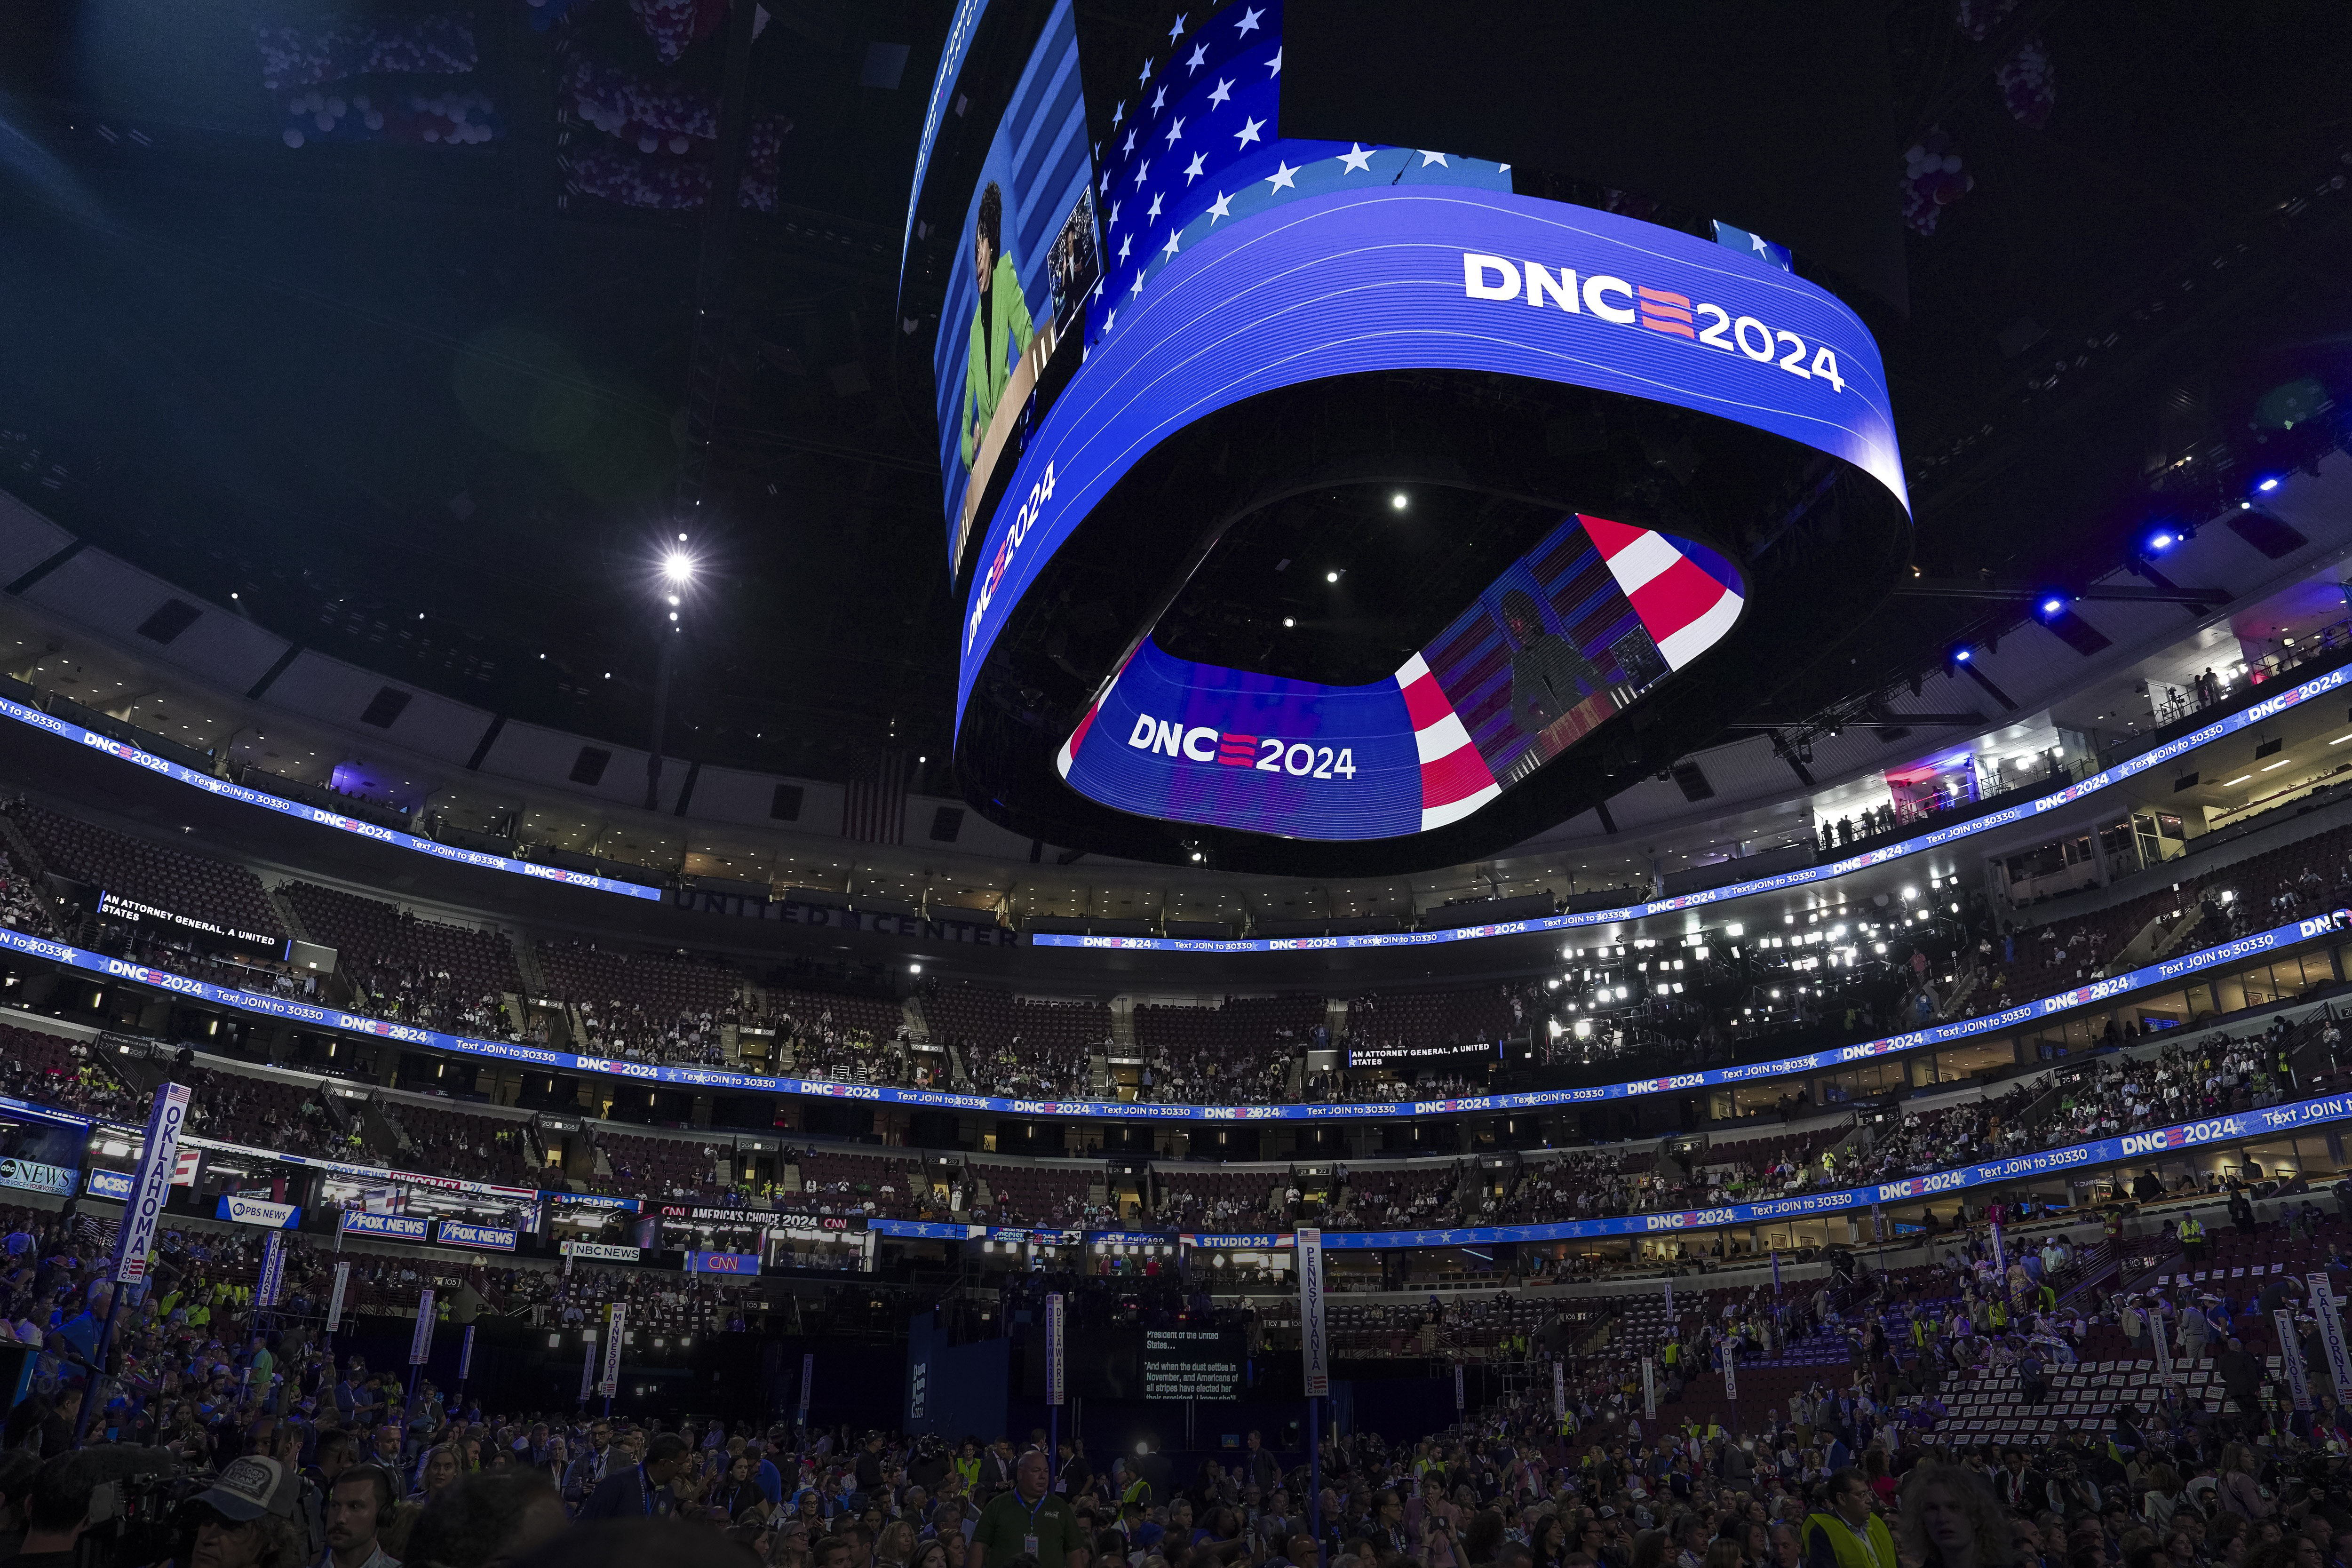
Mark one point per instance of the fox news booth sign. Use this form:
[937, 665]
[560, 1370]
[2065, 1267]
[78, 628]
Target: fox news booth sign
[486, 1237]
[391, 1226]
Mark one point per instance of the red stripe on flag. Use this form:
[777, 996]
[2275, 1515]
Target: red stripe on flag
[1610, 536]
[1426, 702]
[1078, 735]
[1459, 774]
[1676, 597]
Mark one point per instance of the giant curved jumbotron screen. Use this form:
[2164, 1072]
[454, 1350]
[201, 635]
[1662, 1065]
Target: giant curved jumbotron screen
[1575, 631]
[1159, 321]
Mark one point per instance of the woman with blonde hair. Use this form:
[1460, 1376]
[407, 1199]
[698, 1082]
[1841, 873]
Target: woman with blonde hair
[443, 1463]
[1951, 1520]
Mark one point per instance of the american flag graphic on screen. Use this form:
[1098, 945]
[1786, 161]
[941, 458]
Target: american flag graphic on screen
[1199, 144]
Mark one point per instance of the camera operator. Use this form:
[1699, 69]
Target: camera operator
[57, 1510]
[17, 1469]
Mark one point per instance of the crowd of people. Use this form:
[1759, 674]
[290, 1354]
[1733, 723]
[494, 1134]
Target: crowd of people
[1014, 1069]
[23, 905]
[613, 1027]
[433, 999]
[219, 1380]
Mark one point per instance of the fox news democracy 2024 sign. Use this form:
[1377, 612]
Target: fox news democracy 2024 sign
[2169, 972]
[1456, 277]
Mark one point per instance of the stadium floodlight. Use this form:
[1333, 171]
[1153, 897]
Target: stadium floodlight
[2053, 604]
[2268, 485]
[2162, 540]
[679, 566]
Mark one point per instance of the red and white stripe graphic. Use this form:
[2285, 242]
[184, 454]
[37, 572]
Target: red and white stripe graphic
[1454, 779]
[1684, 610]
[1068, 754]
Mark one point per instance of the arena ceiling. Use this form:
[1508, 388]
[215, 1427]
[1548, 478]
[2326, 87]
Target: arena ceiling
[424, 408]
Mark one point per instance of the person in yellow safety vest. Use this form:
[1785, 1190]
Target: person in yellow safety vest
[2192, 1240]
[1850, 1535]
[1999, 1314]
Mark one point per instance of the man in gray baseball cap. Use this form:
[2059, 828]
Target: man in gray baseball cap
[247, 1516]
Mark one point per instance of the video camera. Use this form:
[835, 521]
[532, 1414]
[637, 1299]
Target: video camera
[2316, 1476]
[138, 1518]
[146, 1515]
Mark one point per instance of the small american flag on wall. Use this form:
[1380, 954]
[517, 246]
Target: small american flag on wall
[876, 809]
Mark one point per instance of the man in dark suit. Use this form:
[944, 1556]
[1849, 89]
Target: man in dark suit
[996, 1467]
[642, 1489]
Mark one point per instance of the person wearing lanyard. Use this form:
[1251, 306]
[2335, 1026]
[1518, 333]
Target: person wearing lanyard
[1030, 1520]
[1850, 1535]
[643, 1489]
